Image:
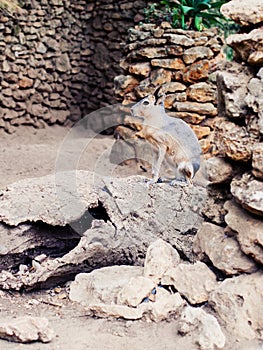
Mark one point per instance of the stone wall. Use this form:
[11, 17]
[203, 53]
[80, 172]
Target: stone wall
[239, 128]
[58, 58]
[179, 61]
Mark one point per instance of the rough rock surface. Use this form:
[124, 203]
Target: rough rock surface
[249, 230]
[159, 257]
[239, 304]
[218, 170]
[222, 250]
[254, 98]
[134, 215]
[243, 14]
[249, 193]
[193, 281]
[203, 327]
[257, 161]
[26, 330]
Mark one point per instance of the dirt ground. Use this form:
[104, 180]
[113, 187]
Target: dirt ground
[28, 153]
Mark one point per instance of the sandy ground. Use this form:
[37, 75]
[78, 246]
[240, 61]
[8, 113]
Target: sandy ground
[29, 153]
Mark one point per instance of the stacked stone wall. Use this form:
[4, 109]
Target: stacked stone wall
[58, 58]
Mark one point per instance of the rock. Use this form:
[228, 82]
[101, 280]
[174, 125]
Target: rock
[218, 170]
[179, 39]
[149, 52]
[201, 131]
[202, 92]
[160, 76]
[222, 250]
[233, 141]
[254, 97]
[160, 256]
[102, 285]
[197, 71]
[26, 330]
[203, 328]
[257, 161]
[238, 302]
[248, 228]
[249, 46]
[62, 63]
[188, 117]
[196, 53]
[249, 193]
[232, 94]
[195, 107]
[124, 84]
[170, 63]
[140, 68]
[242, 14]
[135, 291]
[193, 281]
[172, 87]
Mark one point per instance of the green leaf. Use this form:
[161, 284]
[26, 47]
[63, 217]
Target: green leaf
[187, 9]
[198, 21]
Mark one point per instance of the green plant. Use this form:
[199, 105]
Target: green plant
[188, 14]
[9, 5]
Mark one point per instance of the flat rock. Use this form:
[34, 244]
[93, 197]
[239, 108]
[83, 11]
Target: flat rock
[203, 328]
[249, 230]
[160, 256]
[223, 251]
[202, 92]
[193, 281]
[196, 53]
[249, 193]
[242, 14]
[254, 97]
[26, 330]
[238, 302]
[102, 285]
[218, 170]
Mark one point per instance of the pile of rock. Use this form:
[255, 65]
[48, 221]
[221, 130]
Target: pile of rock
[58, 59]
[181, 62]
[239, 129]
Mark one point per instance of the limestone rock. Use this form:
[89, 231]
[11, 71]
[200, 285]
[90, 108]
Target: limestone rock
[195, 107]
[218, 170]
[203, 327]
[257, 161]
[202, 92]
[223, 251]
[233, 141]
[179, 39]
[170, 63]
[197, 71]
[160, 76]
[172, 87]
[63, 63]
[201, 131]
[193, 281]
[140, 68]
[133, 292]
[248, 47]
[242, 14]
[160, 256]
[26, 330]
[254, 98]
[249, 193]
[102, 285]
[196, 53]
[249, 230]
[238, 302]
[232, 94]
[124, 84]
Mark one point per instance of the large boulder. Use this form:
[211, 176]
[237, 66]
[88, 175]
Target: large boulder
[240, 12]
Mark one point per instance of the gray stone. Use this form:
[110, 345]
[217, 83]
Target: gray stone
[222, 250]
[203, 328]
[63, 63]
[249, 193]
[238, 302]
[195, 107]
[218, 170]
[26, 329]
[257, 161]
[249, 230]
[179, 39]
[197, 52]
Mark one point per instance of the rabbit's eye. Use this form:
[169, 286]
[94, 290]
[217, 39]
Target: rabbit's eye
[146, 102]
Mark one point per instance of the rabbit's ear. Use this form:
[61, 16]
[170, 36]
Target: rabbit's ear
[160, 100]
